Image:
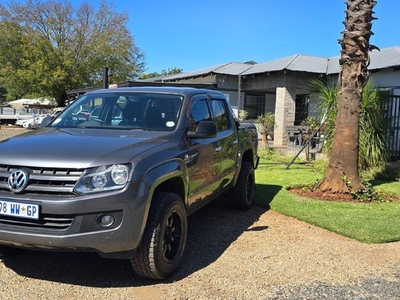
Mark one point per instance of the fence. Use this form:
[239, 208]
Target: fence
[391, 111]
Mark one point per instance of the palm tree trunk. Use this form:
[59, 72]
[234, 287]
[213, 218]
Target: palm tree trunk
[342, 173]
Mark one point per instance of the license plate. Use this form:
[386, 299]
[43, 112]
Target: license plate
[21, 210]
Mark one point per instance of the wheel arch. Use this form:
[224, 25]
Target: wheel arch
[170, 176]
[248, 156]
[174, 185]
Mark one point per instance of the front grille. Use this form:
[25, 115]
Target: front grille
[46, 221]
[59, 181]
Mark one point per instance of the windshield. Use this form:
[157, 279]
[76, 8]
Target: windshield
[122, 110]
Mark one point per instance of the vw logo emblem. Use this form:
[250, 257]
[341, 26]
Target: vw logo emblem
[18, 180]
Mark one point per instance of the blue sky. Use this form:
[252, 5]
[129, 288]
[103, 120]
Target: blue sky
[195, 34]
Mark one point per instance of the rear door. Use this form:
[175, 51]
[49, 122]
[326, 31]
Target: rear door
[227, 141]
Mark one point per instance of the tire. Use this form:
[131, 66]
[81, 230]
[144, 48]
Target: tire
[163, 242]
[242, 194]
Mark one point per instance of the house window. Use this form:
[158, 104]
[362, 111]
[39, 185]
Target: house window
[254, 105]
[301, 111]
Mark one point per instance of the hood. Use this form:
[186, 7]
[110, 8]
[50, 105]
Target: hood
[77, 148]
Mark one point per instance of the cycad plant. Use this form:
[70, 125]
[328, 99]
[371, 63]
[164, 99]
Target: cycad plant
[372, 139]
[327, 109]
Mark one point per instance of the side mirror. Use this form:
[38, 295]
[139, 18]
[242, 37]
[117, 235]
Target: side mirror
[45, 121]
[205, 129]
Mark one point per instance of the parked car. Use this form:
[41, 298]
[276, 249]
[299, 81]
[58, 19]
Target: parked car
[37, 120]
[20, 122]
[51, 116]
[31, 123]
[123, 182]
[27, 123]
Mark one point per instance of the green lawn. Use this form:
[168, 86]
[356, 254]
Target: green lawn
[366, 222]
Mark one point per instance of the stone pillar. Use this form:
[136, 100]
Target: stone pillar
[284, 114]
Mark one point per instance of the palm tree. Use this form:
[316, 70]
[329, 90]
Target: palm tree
[373, 127]
[343, 160]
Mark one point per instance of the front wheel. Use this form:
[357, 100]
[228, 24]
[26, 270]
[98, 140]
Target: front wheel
[242, 194]
[164, 238]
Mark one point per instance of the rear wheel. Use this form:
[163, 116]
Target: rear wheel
[242, 194]
[164, 239]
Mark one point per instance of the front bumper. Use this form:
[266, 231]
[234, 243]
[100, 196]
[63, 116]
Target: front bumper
[79, 218]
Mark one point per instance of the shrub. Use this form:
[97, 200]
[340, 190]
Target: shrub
[311, 123]
[372, 129]
[267, 122]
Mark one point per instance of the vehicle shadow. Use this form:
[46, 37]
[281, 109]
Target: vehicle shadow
[211, 230]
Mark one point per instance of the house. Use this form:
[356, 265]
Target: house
[283, 86]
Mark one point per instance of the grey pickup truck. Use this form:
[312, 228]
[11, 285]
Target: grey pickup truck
[119, 171]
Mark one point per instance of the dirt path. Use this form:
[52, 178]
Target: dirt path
[10, 131]
[256, 254]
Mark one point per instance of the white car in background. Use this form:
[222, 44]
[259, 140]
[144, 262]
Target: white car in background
[24, 122]
[35, 124]
[27, 123]
[31, 123]
[20, 122]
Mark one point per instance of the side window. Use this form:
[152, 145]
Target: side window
[220, 115]
[199, 112]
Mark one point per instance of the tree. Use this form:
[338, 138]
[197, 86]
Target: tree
[267, 126]
[50, 47]
[3, 93]
[373, 127]
[168, 72]
[342, 170]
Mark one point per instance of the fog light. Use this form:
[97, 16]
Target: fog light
[105, 220]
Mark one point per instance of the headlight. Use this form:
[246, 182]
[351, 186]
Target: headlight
[104, 178]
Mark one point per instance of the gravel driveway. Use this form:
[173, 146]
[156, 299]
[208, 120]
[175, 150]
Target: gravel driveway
[256, 254]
